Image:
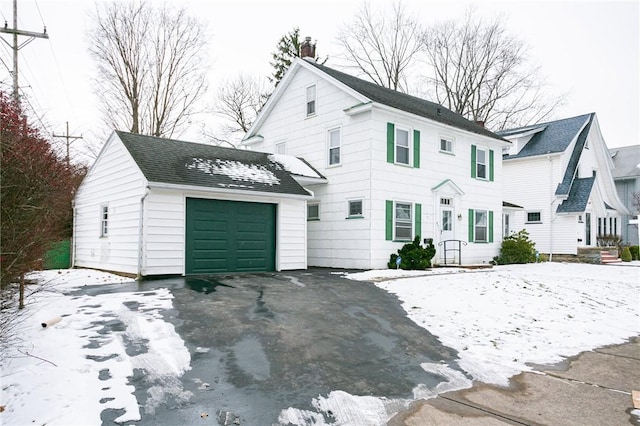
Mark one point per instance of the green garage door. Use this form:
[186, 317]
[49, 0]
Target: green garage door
[230, 236]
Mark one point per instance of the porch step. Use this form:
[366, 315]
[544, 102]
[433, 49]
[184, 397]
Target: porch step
[606, 257]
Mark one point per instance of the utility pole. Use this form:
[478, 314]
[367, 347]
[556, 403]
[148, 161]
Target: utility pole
[69, 139]
[15, 47]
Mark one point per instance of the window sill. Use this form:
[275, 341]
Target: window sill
[310, 115]
[331, 166]
[533, 223]
[402, 241]
[355, 217]
[313, 220]
[447, 153]
[403, 165]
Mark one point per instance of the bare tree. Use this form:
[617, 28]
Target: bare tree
[483, 73]
[239, 101]
[151, 66]
[382, 44]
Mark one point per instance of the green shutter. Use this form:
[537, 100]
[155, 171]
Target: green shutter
[470, 225]
[388, 220]
[418, 213]
[416, 149]
[491, 165]
[391, 130]
[490, 226]
[473, 161]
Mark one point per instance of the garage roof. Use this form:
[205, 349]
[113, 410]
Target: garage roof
[178, 162]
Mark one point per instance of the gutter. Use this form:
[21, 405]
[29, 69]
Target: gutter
[235, 191]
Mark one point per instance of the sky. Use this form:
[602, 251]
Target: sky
[589, 50]
[500, 322]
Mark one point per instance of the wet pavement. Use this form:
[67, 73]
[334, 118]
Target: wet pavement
[261, 343]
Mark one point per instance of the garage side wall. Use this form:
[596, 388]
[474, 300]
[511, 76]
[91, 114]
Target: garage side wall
[165, 228]
[116, 184]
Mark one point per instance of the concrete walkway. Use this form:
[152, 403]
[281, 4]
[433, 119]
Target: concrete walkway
[593, 388]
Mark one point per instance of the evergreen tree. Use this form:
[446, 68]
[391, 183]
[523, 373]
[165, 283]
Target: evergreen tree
[287, 50]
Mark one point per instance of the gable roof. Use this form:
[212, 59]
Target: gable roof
[553, 137]
[626, 161]
[176, 162]
[578, 197]
[404, 102]
[572, 166]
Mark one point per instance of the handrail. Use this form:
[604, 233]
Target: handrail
[454, 249]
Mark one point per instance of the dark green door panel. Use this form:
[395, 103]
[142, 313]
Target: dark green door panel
[229, 236]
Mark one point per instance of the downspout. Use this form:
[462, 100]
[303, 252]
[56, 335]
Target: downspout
[551, 208]
[141, 234]
[73, 234]
[306, 232]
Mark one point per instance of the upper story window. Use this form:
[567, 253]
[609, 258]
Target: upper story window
[402, 146]
[104, 220]
[334, 146]
[281, 148]
[481, 163]
[446, 145]
[311, 100]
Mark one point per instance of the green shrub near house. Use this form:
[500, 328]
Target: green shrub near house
[413, 256]
[635, 252]
[516, 248]
[625, 256]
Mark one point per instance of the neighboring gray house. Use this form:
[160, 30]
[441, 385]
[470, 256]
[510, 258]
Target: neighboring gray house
[560, 172]
[626, 174]
[154, 206]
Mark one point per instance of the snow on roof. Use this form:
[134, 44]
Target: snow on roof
[235, 170]
[294, 165]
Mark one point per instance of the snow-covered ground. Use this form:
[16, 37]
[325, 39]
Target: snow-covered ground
[499, 320]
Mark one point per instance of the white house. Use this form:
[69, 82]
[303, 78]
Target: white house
[560, 173]
[153, 206]
[626, 174]
[396, 166]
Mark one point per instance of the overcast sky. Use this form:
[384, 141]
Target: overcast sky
[587, 49]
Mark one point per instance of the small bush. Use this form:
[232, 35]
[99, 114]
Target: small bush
[609, 240]
[413, 256]
[516, 248]
[626, 254]
[635, 252]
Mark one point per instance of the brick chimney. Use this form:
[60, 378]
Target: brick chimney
[308, 49]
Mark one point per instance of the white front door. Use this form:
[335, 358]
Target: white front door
[447, 232]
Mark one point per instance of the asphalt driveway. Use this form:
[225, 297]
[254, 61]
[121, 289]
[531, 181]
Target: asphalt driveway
[261, 343]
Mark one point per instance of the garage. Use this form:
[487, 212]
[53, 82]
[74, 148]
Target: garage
[229, 236]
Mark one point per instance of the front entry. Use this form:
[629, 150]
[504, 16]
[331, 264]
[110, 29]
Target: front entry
[447, 228]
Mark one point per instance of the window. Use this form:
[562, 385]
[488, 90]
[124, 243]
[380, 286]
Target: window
[402, 146]
[446, 145]
[355, 208]
[447, 220]
[403, 223]
[481, 163]
[445, 201]
[311, 100]
[534, 217]
[506, 230]
[481, 226]
[281, 148]
[313, 212]
[104, 221]
[334, 147]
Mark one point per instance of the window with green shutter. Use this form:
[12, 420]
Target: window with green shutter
[482, 163]
[480, 226]
[416, 149]
[400, 148]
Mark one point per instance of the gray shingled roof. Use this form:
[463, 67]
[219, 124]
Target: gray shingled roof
[626, 161]
[572, 166]
[556, 136]
[406, 102]
[578, 197]
[177, 162]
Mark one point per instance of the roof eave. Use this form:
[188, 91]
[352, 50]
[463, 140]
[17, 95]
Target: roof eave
[180, 187]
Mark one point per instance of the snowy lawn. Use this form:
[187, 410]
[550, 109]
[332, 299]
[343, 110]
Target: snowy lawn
[499, 320]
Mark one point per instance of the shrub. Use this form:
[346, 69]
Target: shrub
[635, 252]
[413, 256]
[609, 240]
[626, 254]
[516, 248]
